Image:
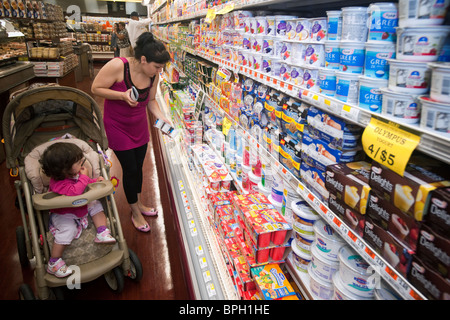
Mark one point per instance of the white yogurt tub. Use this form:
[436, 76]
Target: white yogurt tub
[334, 19]
[304, 219]
[404, 107]
[303, 242]
[434, 115]
[341, 292]
[354, 274]
[268, 45]
[347, 87]
[315, 54]
[327, 82]
[302, 29]
[296, 75]
[318, 29]
[351, 56]
[257, 44]
[370, 96]
[383, 19]
[332, 55]
[354, 24]
[440, 82]
[311, 78]
[281, 25]
[328, 242]
[286, 51]
[422, 13]
[291, 32]
[408, 76]
[298, 53]
[261, 25]
[376, 59]
[321, 267]
[276, 67]
[266, 64]
[421, 43]
[270, 30]
[285, 71]
[257, 61]
[301, 259]
[276, 204]
[322, 290]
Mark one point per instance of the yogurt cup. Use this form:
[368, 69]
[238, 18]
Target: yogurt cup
[286, 51]
[383, 19]
[421, 43]
[278, 46]
[322, 290]
[321, 267]
[354, 273]
[281, 25]
[370, 95]
[298, 53]
[435, 115]
[246, 42]
[351, 56]
[327, 241]
[239, 18]
[261, 25]
[311, 79]
[285, 71]
[257, 61]
[440, 82]
[334, 25]
[304, 218]
[303, 242]
[347, 87]
[327, 82]
[270, 29]
[301, 259]
[376, 59]
[257, 43]
[408, 76]
[277, 188]
[404, 107]
[254, 181]
[342, 293]
[302, 29]
[332, 55]
[318, 29]
[291, 29]
[276, 67]
[268, 45]
[354, 24]
[266, 64]
[315, 54]
[276, 204]
[296, 75]
[421, 13]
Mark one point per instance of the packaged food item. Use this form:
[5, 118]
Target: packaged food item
[351, 217]
[437, 213]
[271, 282]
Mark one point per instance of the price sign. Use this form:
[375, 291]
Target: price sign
[389, 144]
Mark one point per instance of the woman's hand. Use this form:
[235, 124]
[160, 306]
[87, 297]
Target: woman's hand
[126, 96]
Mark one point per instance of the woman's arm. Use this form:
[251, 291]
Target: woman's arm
[111, 73]
[153, 105]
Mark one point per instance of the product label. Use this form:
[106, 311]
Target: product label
[351, 60]
[327, 85]
[382, 26]
[370, 98]
[332, 58]
[334, 28]
[376, 65]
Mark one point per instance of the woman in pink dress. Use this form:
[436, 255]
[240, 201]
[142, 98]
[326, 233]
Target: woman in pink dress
[125, 119]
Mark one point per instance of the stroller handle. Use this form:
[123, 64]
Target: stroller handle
[51, 200]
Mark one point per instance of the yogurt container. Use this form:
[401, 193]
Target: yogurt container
[422, 13]
[327, 241]
[435, 115]
[408, 76]
[286, 51]
[296, 75]
[303, 241]
[351, 56]
[404, 107]
[354, 24]
[322, 290]
[342, 293]
[383, 19]
[276, 67]
[440, 82]
[376, 59]
[257, 43]
[261, 25]
[321, 267]
[347, 87]
[257, 61]
[315, 54]
[270, 29]
[285, 71]
[332, 55]
[318, 29]
[334, 25]
[291, 33]
[268, 45]
[281, 25]
[298, 53]
[263, 190]
[327, 82]
[278, 46]
[304, 218]
[421, 43]
[311, 79]
[254, 181]
[246, 42]
[277, 188]
[354, 273]
[385, 292]
[370, 95]
[302, 29]
[301, 259]
[266, 64]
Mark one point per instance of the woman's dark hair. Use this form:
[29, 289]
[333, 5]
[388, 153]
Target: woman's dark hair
[58, 159]
[152, 49]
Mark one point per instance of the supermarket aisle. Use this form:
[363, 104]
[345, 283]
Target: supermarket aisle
[159, 251]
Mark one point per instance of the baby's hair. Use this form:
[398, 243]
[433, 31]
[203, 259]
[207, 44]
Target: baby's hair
[58, 159]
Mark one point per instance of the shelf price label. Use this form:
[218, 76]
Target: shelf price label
[389, 144]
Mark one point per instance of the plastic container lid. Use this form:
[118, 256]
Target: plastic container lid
[325, 230]
[304, 211]
[339, 286]
[353, 261]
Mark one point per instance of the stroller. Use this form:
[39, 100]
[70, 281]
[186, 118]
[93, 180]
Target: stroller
[34, 119]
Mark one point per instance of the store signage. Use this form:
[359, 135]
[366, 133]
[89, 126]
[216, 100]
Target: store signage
[389, 144]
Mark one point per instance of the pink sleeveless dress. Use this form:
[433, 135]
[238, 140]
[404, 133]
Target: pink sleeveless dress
[127, 127]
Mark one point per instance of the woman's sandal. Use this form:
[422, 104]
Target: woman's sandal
[144, 228]
[150, 213]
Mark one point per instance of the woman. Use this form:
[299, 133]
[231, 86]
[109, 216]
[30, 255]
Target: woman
[114, 40]
[124, 41]
[126, 123]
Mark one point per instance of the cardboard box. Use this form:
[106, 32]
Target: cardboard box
[430, 283]
[352, 218]
[271, 282]
[437, 212]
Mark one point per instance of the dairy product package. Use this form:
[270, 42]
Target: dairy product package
[351, 217]
[166, 128]
[314, 180]
[350, 183]
[409, 192]
[271, 282]
[437, 212]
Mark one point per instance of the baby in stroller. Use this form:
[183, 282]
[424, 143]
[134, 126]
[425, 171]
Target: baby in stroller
[63, 163]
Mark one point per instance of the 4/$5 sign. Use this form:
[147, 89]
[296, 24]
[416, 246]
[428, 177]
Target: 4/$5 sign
[389, 144]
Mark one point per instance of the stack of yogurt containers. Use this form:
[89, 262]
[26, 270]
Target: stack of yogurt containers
[290, 196]
[379, 48]
[324, 260]
[420, 38]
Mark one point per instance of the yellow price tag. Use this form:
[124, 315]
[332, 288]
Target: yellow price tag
[210, 15]
[389, 144]
[226, 9]
[226, 125]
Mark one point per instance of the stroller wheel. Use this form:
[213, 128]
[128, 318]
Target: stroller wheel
[21, 246]
[115, 279]
[25, 293]
[135, 271]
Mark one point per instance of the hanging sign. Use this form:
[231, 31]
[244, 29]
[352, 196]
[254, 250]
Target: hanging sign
[389, 144]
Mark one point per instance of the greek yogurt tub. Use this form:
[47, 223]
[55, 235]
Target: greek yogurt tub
[440, 82]
[315, 54]
[328, 242]
[334, 19]
[322, 290]
[320, 266]
[332, 55]
[421, 43]
[318, 29]
[422, 13]
[354, 24]
[342, 293]
[376, 59]
[351, 56]
[370, 96]
[434, 115]
[354, 273]
[383, 19]
[327, 82]
[404, 107]
[347, 87]
[304, 218]
[409, 76]
[311, 78]
[302, 29]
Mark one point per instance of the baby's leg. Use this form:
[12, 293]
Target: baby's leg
[95, 210]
